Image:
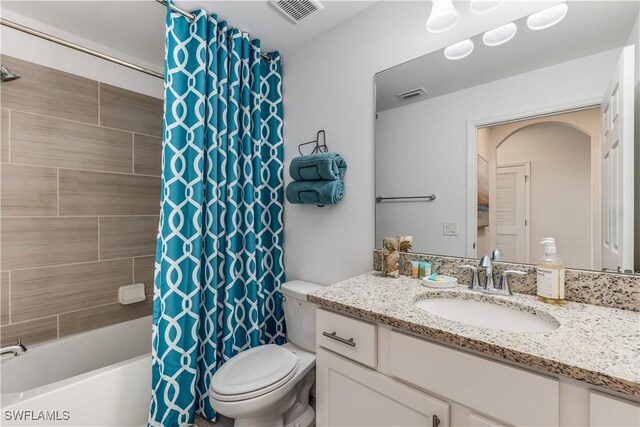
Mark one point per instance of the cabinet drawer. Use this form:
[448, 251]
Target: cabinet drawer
[347, 336]
[509, 394]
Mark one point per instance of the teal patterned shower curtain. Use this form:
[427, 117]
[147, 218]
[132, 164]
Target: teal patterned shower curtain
[219, 261]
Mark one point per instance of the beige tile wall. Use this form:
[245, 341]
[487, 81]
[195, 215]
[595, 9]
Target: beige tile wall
[79, 202]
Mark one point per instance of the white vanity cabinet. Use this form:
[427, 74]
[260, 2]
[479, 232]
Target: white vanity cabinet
[369, 374]
[506, 393]
[475, 420]
[349, 394]
[611, 412]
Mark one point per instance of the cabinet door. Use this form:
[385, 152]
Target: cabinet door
[349, 394]
[509, 394]
[610, 411]
[476, 420]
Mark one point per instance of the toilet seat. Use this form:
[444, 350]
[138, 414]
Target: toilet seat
[253, 373]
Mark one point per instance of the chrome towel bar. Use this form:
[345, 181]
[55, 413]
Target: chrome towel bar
[425, 198]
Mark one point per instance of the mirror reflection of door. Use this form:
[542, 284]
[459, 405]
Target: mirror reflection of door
[617, 166]
[512, 200]
[544, 182]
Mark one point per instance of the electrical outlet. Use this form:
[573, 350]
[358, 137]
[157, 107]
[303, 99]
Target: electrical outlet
[450, 229]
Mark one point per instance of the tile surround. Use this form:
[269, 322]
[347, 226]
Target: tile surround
[41, 140]
[37, 242]
[78, 204]
[127, 236]
[32, 331]
[47, 291]
[143, 272]
[101, 316]
[4, 297]
[28, 190]
[147, 154]
[4, 135]
[99, 193]
[126, 110]
[589, 287]
[43, 90]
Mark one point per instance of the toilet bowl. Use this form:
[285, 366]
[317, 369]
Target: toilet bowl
[269, 385]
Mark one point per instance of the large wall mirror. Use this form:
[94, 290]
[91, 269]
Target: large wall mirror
[533, 138]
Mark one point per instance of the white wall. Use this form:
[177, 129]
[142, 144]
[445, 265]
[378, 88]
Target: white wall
[427, 142]
[33, 49]
[588, 121]
[329, 84]
[560, 159]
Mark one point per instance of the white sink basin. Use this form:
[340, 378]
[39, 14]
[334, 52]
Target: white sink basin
[487, 315]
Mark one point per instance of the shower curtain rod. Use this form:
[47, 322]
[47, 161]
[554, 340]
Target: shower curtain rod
[77, 47]
[71, 45]
[191, 17]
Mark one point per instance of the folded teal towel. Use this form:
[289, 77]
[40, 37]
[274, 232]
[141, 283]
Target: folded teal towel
[315, 192]
[318, 166]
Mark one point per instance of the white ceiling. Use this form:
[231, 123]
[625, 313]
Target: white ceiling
[136, 27]
[589, 27]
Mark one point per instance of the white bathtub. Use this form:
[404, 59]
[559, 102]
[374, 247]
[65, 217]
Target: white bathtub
[97, 378]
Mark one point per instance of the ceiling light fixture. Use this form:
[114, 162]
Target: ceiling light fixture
[548, 17]
[500, 35]
[459, 50]
[443, 16]
[483, 6]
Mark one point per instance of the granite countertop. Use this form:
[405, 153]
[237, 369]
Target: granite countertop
[597, 345]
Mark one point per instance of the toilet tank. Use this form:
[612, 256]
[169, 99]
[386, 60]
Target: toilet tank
[299, 314]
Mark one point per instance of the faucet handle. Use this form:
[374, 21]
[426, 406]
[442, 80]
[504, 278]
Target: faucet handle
[475, 283]
[496, 254]
[504, 288]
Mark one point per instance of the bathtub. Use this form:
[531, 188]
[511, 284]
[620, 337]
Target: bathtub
[96, 378]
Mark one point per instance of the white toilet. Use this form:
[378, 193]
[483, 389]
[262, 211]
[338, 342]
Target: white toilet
[269, 385]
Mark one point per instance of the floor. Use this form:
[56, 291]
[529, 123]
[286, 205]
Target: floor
[221, 421]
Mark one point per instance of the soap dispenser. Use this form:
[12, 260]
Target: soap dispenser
[550, 276]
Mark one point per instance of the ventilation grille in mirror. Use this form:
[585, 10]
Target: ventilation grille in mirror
[410, 94]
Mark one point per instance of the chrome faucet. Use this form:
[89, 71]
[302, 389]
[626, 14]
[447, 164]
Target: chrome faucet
[488, 285]
[16, 349]
[486, 262]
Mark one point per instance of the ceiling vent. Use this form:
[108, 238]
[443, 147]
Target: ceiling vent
[297, 10]
[410, 94]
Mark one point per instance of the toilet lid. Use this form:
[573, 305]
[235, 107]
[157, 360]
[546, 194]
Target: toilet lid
[253, 370]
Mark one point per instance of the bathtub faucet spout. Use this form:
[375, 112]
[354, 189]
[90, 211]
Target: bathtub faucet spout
[17, 349]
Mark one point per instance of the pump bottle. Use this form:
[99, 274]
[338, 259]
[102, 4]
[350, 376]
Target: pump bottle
[550, 274]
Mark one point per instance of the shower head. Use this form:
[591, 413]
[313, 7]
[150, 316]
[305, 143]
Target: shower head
[6, 75]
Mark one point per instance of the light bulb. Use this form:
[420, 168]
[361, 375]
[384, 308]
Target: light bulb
[500, 35]
[484, 6]
[548, 17]
[459, 50]
[443, 16]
